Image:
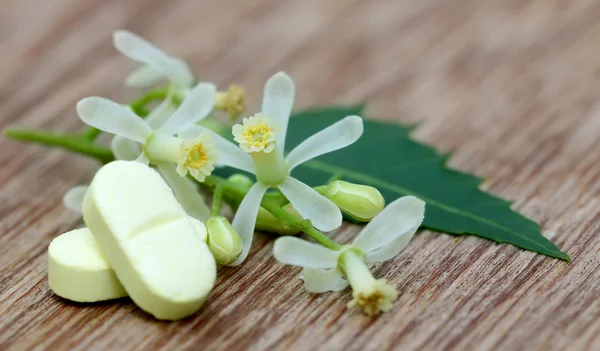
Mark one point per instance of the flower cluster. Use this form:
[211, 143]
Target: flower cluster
[178, 138]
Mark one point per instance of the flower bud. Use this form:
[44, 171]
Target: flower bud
[360, 201]
[223, 241]
[241, 180]
[267, 222]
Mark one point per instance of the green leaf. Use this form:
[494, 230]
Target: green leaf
[388, 159]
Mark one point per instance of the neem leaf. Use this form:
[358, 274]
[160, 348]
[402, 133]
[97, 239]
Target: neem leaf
[387, 158]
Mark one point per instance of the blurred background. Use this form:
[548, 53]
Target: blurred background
[467, 65]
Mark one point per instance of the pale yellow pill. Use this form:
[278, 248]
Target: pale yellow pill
[146, 236]
[77, 270]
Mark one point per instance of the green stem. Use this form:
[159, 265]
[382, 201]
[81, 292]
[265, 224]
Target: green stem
[216, 201]
[83, 143]
[138, 106]
[273, 206]
[65, 141]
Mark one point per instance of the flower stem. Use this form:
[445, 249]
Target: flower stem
[83, 143]
[355, 269]
[272, 205]
[215, 209]
[71, 142]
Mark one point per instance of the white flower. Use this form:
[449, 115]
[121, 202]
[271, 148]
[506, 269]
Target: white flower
[135, 136]
[263, 136]
[382, 239]
[159, 129]
[157, 64]
[125, 149]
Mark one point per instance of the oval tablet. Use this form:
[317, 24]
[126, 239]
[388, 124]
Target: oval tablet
[77, 270]
[146, 236]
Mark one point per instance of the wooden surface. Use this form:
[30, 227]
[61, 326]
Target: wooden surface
[512, 86]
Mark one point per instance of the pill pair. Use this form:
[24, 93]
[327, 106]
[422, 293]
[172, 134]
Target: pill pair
[138, 242]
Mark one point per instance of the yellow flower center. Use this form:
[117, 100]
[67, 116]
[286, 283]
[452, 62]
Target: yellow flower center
[371, 304]
[196, 156]
[258, 135]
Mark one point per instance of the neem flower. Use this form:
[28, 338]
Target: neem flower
[381, 239]
[261, 141]
[157, 140]
[157, 64]
[152, 140]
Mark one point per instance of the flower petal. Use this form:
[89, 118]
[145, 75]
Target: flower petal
[229, 154]
[245, 218]
[186, 192]
[334, 137]
[180, 72]
[298, 252]
[323, 280]
[140, 50]
[73, 198]
[323, 213]
[391, 249]
[196, 106]
[278, 101]
[160, 114]
[124, 149]
[113, 118]
[400, 219]
[144, 76]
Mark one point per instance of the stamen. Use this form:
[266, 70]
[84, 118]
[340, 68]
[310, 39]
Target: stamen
[375, 299]
[255, 134]
[258, 136]
[196, 156]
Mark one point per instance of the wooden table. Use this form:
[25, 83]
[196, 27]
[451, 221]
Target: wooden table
[512, 87]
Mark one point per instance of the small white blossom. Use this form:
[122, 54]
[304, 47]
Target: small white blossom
[161, 126]
[157, 64]
[261, 141]
[382, 239]
[152, 140]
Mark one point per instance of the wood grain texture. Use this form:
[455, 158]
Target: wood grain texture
[512, 86]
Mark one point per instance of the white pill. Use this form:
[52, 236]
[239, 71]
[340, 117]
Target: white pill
[77, 270]
[147, 238]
